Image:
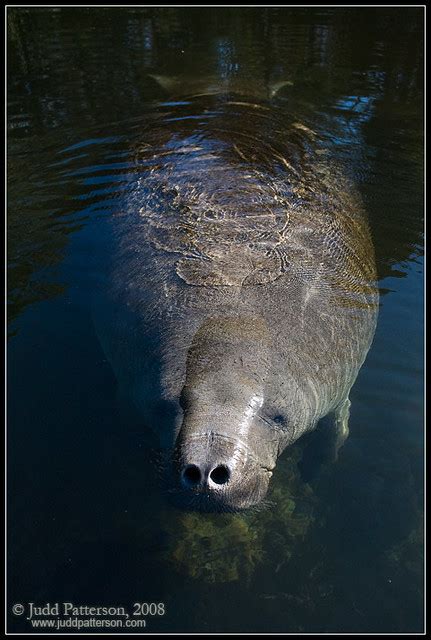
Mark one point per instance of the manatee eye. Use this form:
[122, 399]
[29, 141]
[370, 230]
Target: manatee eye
[279, 419]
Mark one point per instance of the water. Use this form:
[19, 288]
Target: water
[88, 520]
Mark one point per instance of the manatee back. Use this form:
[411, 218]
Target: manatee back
[239, 211]
[240, 197]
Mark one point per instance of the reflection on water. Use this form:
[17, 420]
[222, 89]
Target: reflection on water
[339, 547]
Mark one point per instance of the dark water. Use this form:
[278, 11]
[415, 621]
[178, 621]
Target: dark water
[342, 551]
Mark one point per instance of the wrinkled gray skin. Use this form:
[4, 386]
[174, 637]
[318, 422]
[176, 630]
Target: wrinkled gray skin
[242, 301]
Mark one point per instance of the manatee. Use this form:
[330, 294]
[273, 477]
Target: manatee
[242, 299]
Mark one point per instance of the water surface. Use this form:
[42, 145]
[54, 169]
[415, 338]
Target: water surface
[88, 521]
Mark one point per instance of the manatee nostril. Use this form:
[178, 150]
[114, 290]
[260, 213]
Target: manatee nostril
[192, 475]
[220, 475]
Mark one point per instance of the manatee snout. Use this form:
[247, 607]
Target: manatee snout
[205, 476]
[215, 473]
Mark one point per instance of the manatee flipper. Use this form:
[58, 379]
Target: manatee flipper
[341, 426]
[325, 442]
